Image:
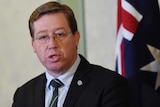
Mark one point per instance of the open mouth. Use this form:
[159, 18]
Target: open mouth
[54, 57]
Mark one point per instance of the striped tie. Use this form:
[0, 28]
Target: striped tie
[56, 84]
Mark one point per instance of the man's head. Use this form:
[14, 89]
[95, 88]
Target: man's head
[50, 8]
[55, 37]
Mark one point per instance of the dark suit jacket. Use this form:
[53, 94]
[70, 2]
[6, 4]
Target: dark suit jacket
[100, 88]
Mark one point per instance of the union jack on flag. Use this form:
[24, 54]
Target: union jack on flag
[128, 20]
[138, 35]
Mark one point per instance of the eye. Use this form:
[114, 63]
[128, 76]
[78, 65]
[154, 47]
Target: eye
[42, 37]
[59, 34]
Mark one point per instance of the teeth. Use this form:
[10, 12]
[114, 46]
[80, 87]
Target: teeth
[53, 56]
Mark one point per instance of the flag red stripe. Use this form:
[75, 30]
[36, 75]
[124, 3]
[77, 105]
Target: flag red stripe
[129, 22]
[119, 19]
[122, 59]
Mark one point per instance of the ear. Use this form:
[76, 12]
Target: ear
[77, 38]
[34, 45]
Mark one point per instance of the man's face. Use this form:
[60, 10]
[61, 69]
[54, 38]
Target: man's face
[56, 56]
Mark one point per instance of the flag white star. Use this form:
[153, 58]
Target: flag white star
[154, 66]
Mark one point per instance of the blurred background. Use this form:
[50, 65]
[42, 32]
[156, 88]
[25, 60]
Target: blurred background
[18, 63]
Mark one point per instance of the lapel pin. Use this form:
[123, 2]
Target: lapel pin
[79, 82]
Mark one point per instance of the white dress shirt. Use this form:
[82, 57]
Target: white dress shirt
[66, 79]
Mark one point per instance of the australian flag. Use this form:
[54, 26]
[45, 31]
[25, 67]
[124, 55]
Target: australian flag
[138, 49]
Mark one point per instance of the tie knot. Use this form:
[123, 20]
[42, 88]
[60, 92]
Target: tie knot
[56, 83]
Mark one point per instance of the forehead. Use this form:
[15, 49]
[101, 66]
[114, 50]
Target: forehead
[51, 21]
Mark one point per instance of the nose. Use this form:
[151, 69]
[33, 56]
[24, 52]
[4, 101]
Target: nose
[52, 43]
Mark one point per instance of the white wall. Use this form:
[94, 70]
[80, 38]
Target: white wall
[101, 31]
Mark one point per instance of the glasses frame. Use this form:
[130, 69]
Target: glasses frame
[56, 36]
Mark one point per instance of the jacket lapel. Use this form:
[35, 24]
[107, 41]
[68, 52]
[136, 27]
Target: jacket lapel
[78, 83]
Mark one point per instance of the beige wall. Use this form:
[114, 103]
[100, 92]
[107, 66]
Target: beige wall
[18, 62]
[101, 31]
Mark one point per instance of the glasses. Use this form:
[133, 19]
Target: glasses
[43, 39]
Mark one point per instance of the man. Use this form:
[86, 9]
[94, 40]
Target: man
[55, 39]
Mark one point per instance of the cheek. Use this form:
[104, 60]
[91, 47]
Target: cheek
[36, 47]
[41, 55]
[70, 47]
[39, 50]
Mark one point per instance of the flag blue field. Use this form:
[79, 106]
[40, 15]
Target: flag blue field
[138, 48]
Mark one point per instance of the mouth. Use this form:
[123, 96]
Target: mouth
[54, 58]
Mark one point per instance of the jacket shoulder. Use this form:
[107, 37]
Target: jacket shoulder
[40, 78]
[98, 72]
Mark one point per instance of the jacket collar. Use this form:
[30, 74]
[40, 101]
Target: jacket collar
[78, 83]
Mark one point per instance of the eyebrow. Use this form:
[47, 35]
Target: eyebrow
[43, 31]
[40, 32]
[62, 28]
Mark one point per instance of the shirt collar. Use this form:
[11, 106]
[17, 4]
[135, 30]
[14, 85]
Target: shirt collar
[66, 78]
